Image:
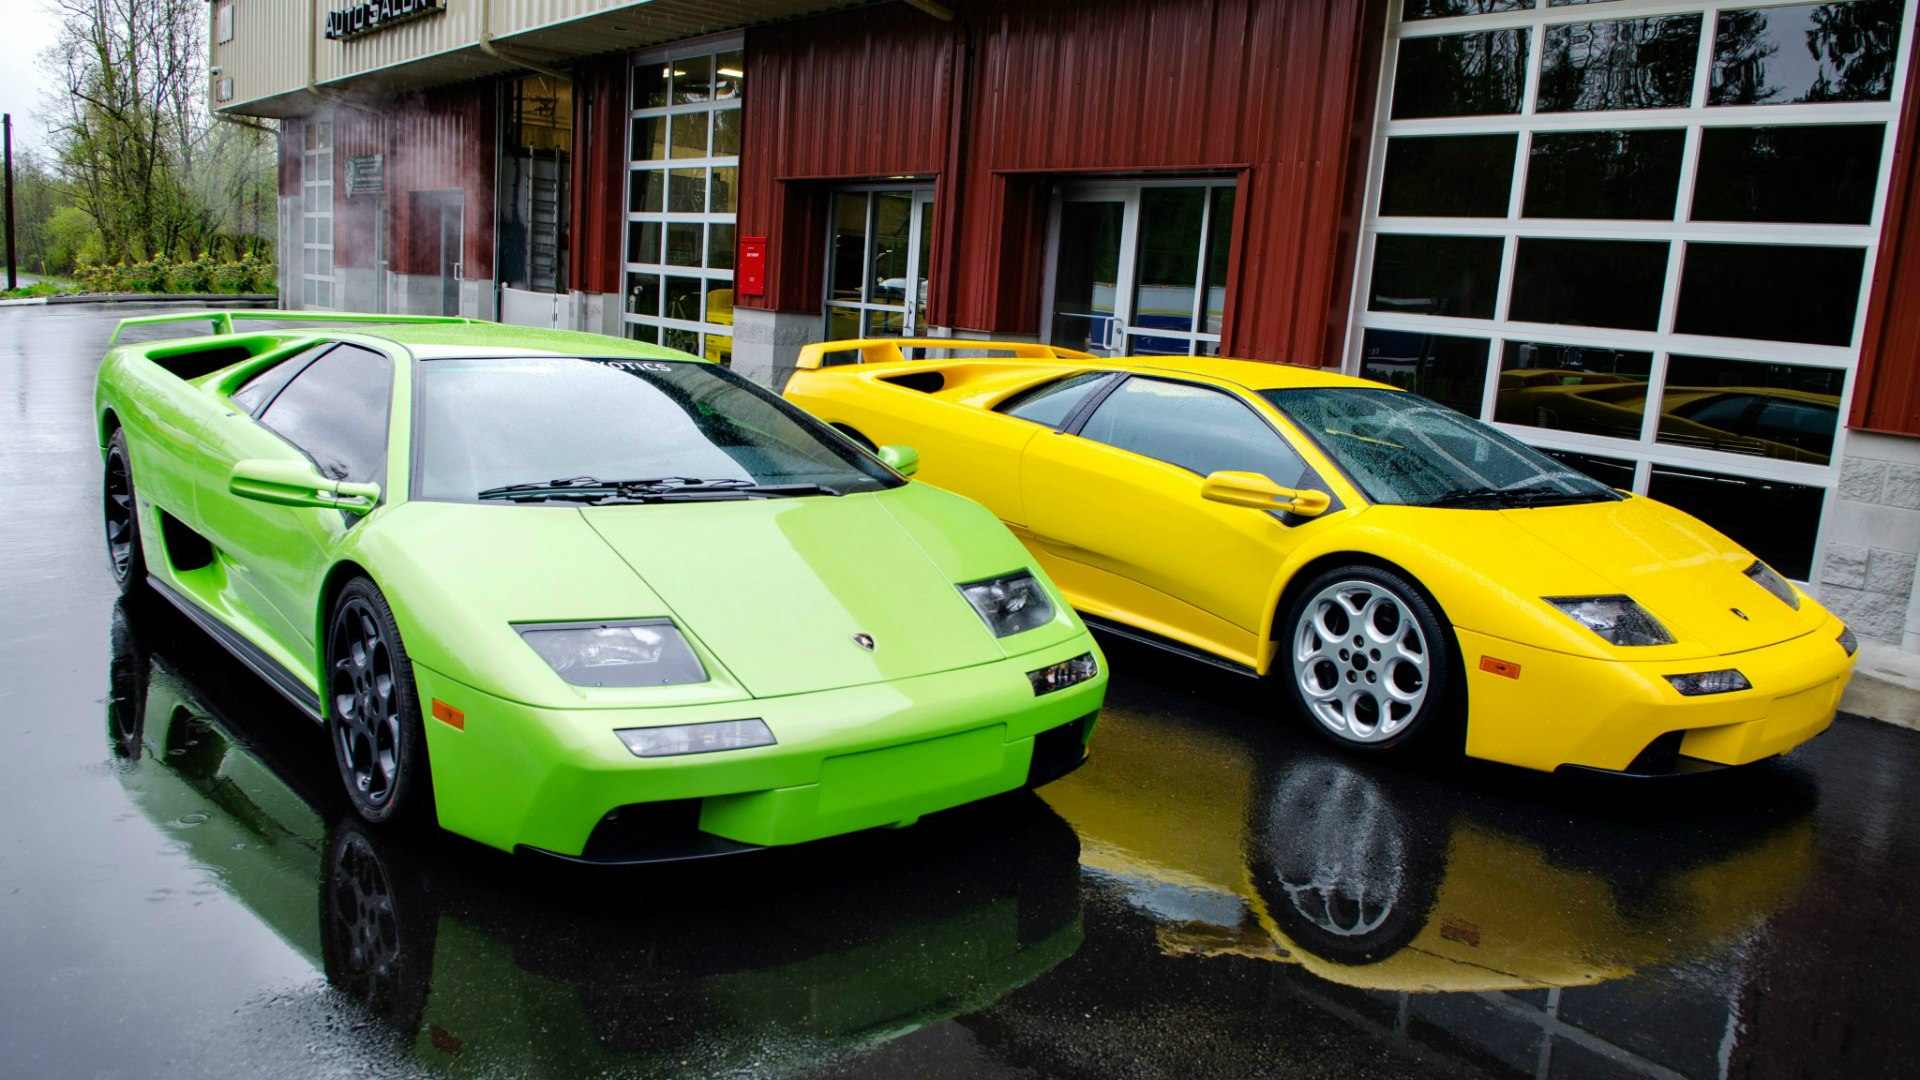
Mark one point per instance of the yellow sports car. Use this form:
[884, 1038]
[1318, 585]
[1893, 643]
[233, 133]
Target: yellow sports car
[1400, 569]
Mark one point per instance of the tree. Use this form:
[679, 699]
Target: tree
[135, 147]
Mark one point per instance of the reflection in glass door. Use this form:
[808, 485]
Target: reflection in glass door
[1141, 269]
[877, 263]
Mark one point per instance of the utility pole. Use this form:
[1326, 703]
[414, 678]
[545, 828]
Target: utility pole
[13, 279]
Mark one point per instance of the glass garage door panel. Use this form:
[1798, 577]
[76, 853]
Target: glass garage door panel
[1638, 235]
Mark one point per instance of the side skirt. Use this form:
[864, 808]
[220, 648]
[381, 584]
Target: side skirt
[276, 675]
[1108, 626]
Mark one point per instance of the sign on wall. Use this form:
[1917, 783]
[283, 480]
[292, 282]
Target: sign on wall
[365, 18]
[366, 174]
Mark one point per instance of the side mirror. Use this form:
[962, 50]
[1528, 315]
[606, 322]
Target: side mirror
[904, 460]
[1254, 490]
[296, 483]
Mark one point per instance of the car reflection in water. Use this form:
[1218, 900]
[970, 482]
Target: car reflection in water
[763, 961]
[1462, 910]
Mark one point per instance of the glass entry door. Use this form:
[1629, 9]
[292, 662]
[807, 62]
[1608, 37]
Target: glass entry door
[1141, 269]
[877, 263]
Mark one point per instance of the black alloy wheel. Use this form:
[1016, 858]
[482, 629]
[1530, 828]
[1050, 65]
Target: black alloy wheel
[377, 929]
[373, 717]
[119, 508]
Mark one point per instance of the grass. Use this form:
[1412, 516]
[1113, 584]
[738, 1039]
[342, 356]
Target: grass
[38, 288]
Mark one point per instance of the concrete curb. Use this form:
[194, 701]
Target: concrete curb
[215, 299]
[1885, 686]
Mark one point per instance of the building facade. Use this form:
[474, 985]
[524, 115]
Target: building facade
[1672, 243]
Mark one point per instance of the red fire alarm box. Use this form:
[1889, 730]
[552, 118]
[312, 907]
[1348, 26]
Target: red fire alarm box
[750, 277]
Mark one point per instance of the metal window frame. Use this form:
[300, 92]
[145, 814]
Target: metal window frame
[316, 158]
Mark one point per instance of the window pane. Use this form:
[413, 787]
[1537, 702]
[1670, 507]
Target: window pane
[335, 411]
[726, 190]
[1086, 266]
[1590, 390]
[1219, 252]
[720, 349]
[1051, 403]
[846, 269]
[1773, 520]
[686, 191]
[644, 190]
[685, 340]
[1441, 9]
[1169, 261]
[1200, 430]
[1460, 74]
[726, 133]
[650, 138]
[1590, 282]
[1819, 174]
[683, 244]
[1742, 407]
[643, 241]
[730, 76]
[885, 324]
[1812, 52]
[1622, 64]
[259, 389]
[1436, 275]
[1807, 294]
[720, 244]
[892, 233]
[1604, 174]
[689, 134]
[650, 85]
[1449, 370]
[643, 295]
[644, 332]
[1448, 176]
[1612, 472]
[683, 299]
[692, 80]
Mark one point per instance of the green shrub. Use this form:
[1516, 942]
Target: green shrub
[160, 274]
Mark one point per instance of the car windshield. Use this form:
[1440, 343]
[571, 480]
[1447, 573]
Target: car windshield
[1403, 449]
[569, 422]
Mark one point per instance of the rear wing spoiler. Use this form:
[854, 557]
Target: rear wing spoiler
[889, 350]
[222, 321]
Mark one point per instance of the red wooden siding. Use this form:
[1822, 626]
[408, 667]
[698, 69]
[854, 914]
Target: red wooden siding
[1277, 92]
[600, 111]
[861, 95]
[442, 141]
[1886, 393]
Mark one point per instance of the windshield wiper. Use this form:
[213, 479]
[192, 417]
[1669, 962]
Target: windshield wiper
[1527, 496]
[646, 489]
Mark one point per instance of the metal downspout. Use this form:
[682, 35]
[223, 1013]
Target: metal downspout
[487, 46]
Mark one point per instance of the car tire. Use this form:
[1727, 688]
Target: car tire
[1367, 659]
[120, 511]
[373, 710]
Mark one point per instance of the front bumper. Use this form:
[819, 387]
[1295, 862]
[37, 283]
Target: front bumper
[1598, 714]
[855, 758]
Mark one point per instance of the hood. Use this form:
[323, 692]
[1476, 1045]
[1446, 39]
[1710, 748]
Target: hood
[1683, 571]
[777, 588]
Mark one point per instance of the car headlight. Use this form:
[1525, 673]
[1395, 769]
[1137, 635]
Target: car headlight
[1010, 604]
[1848, 641]
[1763, 576]
[1701, 683]
[1617, 619]
[696, 738]
[637, 652]
[1064, 674]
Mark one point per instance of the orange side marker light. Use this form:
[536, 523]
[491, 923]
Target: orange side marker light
[451, 716]
[1503, 668]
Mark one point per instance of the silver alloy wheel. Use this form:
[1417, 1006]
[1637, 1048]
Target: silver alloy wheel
[1360, 660]
[1344, 868]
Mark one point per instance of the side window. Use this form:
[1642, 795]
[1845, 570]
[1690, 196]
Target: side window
[1051, 403]
[336, 412]
[253, 395]
[1200, 430]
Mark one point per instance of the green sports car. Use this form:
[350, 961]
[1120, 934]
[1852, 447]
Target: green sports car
[583, 596]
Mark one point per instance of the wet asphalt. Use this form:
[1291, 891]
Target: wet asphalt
[183, 893]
